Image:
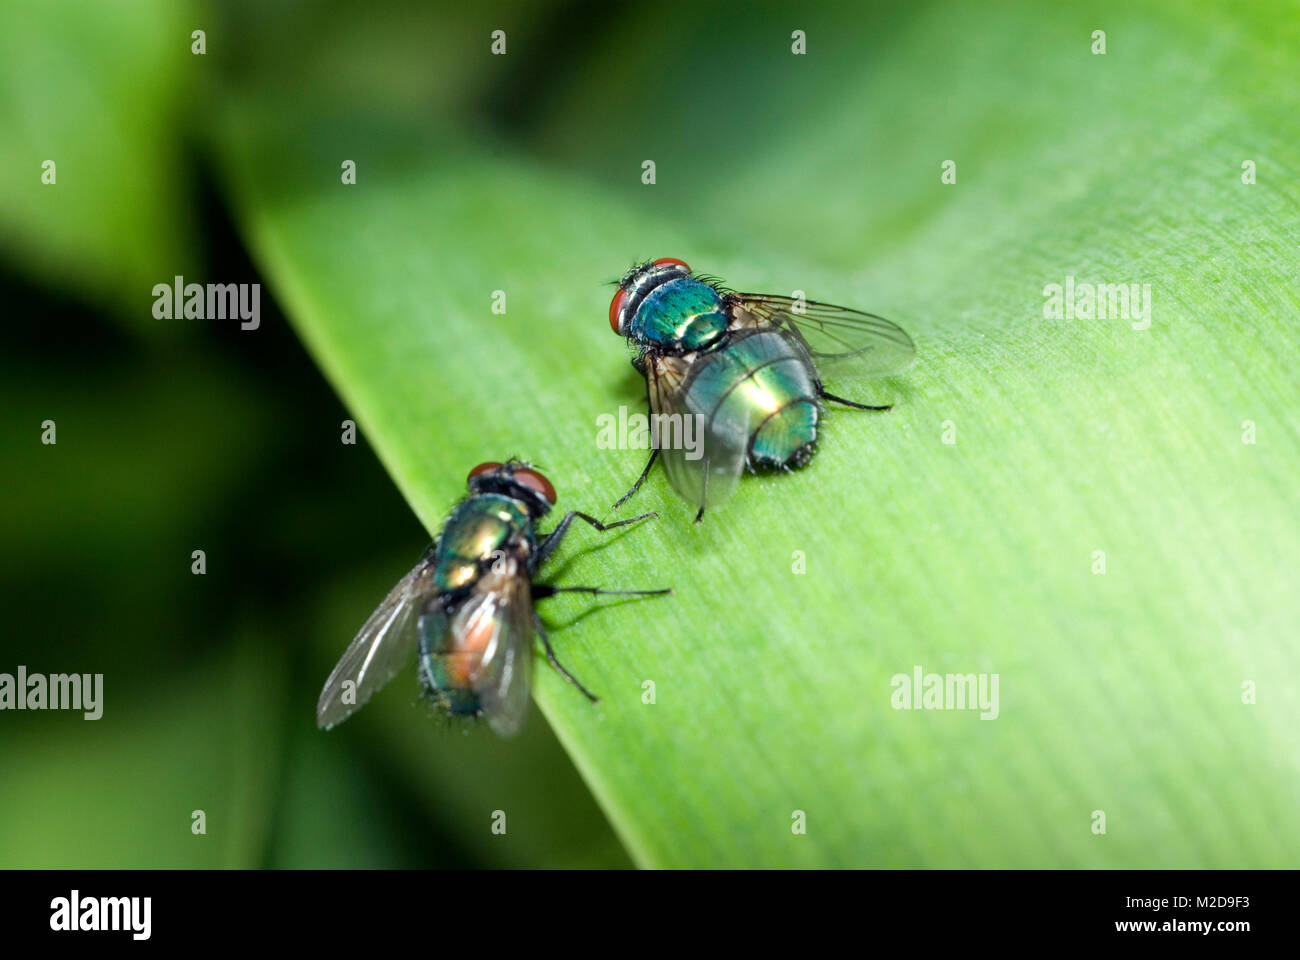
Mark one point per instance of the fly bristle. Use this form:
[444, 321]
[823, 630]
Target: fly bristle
[803, 455]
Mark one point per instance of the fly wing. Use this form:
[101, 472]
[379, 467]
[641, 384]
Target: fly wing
[839, 339]
[493, 631]
[384, 645]
[706, 475]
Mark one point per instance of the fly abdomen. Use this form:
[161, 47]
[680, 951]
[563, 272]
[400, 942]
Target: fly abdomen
[788, 437]
[764, 385]
[450, 660]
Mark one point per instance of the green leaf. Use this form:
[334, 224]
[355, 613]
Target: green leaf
[1120, 692]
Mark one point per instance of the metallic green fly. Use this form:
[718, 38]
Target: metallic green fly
[465, 612]
[746, 367]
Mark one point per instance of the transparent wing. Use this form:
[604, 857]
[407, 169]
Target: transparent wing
[493, 630]
[703, 472]
[838, 338]
[384, 645]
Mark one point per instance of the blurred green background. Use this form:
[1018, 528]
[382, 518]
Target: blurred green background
[174, 436]
[524, 171]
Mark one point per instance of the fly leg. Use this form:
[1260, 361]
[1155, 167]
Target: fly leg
[639, 480]
[543, 590]
[555, 536]
[704, 495]
[559, 668]
[852, 403]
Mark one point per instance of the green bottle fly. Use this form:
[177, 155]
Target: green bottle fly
[465, 612]
[743, 368]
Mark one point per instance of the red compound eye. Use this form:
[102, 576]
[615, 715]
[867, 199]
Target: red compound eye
[536, 482]
[481, 469]
[615, 308]
[668, 261]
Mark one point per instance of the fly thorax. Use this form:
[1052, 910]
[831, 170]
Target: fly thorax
[680, 315]
[475, 536]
